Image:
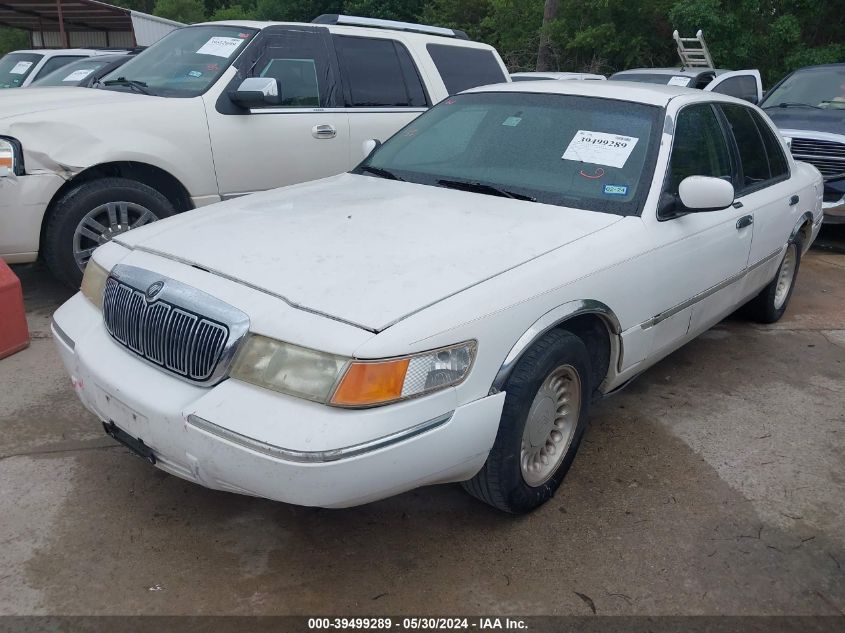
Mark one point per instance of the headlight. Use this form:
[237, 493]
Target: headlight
[94, 282]
[8, 157]
[344, 382]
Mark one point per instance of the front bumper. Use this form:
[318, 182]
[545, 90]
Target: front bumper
[23, 203]
[243, 439]
[834, 205]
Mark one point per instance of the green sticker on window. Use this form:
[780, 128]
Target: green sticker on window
[512, 121]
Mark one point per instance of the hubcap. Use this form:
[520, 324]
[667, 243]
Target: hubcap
[103, 223]
[786, 276]
[551, 425]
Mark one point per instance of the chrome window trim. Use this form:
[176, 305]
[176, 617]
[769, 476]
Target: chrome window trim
[316, 457]
[185, 297]
[345, 110]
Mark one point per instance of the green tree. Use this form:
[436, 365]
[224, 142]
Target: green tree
[233, 12]
[13, 39]
[187, 11]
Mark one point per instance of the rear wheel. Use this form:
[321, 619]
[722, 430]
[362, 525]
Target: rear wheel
[543, 420]
[771, 303]
[92, 214]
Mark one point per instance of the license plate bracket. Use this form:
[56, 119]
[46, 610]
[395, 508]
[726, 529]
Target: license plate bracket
[134, 444]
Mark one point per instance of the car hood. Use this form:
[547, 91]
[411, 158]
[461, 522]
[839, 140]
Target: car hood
[364, 250]
[832, 121]
[32, 100]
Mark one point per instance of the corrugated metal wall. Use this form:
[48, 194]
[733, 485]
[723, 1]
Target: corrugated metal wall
[84, 39]
[149, 30]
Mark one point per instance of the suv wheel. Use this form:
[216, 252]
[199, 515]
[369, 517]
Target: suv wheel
[93, 213]
[543, 420]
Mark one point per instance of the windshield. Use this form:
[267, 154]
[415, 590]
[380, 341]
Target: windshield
[185, 63]
[16, 67]
[574, 151]
[73, 73]
[654, 78]
[816, 87]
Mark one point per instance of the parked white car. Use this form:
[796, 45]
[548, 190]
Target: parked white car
[19, 69]
[447, 311]
[742, 84]
[210, 112]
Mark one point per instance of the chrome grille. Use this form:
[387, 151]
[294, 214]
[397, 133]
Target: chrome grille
[826, 156]
[175, 339]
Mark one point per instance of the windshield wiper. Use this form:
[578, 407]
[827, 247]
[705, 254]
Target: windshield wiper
[480, 187]
[382, 173]
[792, 104]
[137, 86]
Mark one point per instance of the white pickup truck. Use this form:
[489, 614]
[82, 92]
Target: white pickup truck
[210, 112]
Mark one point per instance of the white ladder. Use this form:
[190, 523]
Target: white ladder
[693, 51]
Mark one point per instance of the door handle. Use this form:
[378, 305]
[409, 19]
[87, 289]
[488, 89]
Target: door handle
[324, 131]
[746, 220]
[793, 201]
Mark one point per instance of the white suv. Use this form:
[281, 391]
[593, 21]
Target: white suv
[18, 69]
[210, 112]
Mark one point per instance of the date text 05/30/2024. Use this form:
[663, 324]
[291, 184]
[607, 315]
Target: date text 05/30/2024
[413, 624]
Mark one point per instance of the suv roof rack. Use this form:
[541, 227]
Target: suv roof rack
[393, 25]
[695, 56]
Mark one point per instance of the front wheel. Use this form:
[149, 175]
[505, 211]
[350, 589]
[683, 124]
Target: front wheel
[771, 303]
[93, 213]
[543, 420]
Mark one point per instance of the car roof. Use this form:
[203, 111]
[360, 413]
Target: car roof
[555, 74]
[684, 72]
[650, 94]
[63, 51]
[347, 29]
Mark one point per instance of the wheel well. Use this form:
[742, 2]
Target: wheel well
[154, 177]
[595, 332]
[806, 234]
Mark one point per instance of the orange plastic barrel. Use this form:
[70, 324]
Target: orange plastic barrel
[14, 334]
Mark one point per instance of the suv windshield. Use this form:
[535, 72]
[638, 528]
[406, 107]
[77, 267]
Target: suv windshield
[573, 151]
[821, 87]
[15, 67]
[184, 63]
[73, 73]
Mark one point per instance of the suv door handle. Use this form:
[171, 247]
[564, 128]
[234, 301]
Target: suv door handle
[324, 131]
[746, 220]
[793, 201]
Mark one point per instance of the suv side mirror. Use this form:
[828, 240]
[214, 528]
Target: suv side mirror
[370, 146]
[703, 193]
[256, 92]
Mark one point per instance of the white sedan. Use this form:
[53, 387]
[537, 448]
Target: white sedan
[447, 311]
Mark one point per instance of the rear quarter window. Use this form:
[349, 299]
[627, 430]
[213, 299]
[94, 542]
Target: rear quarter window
[462, 67]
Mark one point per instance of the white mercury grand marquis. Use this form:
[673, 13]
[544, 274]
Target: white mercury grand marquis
[446, 311]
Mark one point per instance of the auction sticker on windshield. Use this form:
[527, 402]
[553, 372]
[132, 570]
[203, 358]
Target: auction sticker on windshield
[600, 148]
[679, 81]
[79, 75]
[220, 46]
[20, 68]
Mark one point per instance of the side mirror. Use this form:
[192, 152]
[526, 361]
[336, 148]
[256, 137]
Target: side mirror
[370, 146]
[256, 92]
[703, 193]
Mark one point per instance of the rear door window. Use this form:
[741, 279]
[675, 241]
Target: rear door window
[762, 156]
[741, 87]
[378, 73]
[16, 67]
[462, 67]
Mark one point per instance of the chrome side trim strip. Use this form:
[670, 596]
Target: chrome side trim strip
[61, 334]
[548, 321]
[316, 457]
[707, 293]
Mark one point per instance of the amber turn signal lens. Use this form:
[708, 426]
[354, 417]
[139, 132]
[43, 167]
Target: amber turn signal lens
[366, 384]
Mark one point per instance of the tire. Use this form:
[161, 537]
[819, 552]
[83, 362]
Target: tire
[770, 305]
[64, 251]
[504, 482]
